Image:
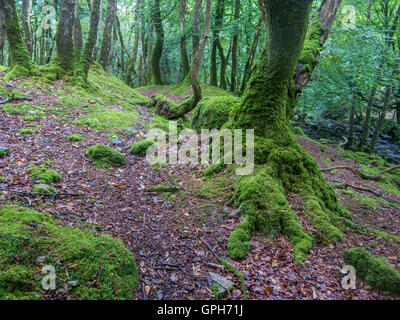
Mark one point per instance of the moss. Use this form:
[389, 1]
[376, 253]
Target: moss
[104, 268]
[163, 189]
[29, 118]
[26, 131]
[298, 132]
[140, 148]
[214, 169]
[44, 175]
[212, 113]
[374, 270]
[109, 119]
[312, 45]
[217, 187]
[238, 274]
[24, 109]
[104, 157]
[43, 188]
[4, 152]
[75, 138]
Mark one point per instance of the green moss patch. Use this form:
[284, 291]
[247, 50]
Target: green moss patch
[104, 157]
[163, 189]
[24, 109]
[75, 138]
[26, 131]
[100, 266]
[44, 175]
[43, 188]
[140, 148]
[4, 152]
[109, 119]
[374, 270]
[213, 113]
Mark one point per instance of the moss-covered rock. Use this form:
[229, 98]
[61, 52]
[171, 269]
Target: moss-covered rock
[75, 138]
[4, 152]
[374, 270]
[140, 148]
[163, 189]
[43, 188]
[101, 267]
[44, 175]
[213, 113]
[104, 157]
[26, 131]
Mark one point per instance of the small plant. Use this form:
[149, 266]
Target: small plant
[75, 138]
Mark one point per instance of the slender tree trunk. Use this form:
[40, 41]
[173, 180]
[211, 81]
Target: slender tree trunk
[20, 60]
[149, 49]
[65, 43]
[235, 47]
[87, 57]
[26, 24]
[184, 55]
[96, 48]
[159, 44]
[196, 27]
[250, 61]
[2, 32]
[219, 15]
[132, 63]
[351, 125]
[78, 43]
[224, 64]
[121, 41]
[107, 34]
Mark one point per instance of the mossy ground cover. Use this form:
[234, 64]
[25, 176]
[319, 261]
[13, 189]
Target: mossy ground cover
[105, 157]
[30, 234]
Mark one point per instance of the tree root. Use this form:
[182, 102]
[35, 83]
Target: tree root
[363, 175]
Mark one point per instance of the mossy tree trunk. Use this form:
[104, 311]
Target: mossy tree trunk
[65, 53]
[262, 195]
[235, 41]
[87, 56]
[78, 43]
[2, 31]
[26, 24]
[121, 41]
[107, 34]
[132, 62]
[196, 26]
[184, 55]
[21, 63]
[219, 15]
[159, 43]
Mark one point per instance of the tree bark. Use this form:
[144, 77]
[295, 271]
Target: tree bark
[219, 15]
[26, 24]
[196, 26]
[21, 64]
[121, 41]
[87, 57]
[65, 43]
[2, 31]
[78, 43]
[184, 55]
[107, 34]
[235, 47]
[159, 44]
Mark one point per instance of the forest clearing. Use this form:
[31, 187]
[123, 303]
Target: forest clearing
[308, 95]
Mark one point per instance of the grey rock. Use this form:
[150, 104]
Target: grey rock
[40, 259]
[223, 282]
[188, 287]
[72, 283]
[33, 224]
[117, 142]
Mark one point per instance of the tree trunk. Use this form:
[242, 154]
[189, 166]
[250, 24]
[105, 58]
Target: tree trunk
[87, 57]
[2, 31]
[159, 44]
[65, 43]
[250, 61]
[132, 63]
[78, 43]
[219, 15]
[26, 24]
[21, 64]
[121, 41]
[235, 46]
[196, 26]
[107, 34]
[351, 126]
[184, 55]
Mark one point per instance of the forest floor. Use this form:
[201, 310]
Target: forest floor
[175, 237]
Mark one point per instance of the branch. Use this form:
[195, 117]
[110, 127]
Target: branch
[36, 194]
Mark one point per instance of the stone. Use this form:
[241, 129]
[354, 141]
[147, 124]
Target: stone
[117, 142]
[40, 259]
[72, 283]
[222, 281]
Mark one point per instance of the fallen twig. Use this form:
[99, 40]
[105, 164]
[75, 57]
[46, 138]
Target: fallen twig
[360, 173]
[38, 194]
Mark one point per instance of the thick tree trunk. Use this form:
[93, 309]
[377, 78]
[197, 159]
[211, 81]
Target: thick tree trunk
[21, 64]
[159, 44]
[132, 62]
[26, 24]
[2, 31]
[87, 57]
[184, 55]
[65, 44]
[235, 47]
[107, 34]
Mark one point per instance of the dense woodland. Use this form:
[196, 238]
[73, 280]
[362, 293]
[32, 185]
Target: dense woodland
[83, 81]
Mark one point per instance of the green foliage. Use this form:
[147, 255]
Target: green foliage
[61, 248]
[140, 148]
[163, 189]
[75, 138]
[104, 157]
[4, 153]
[213, 113]
[374, 270]
[26, 131]
[44, 175]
